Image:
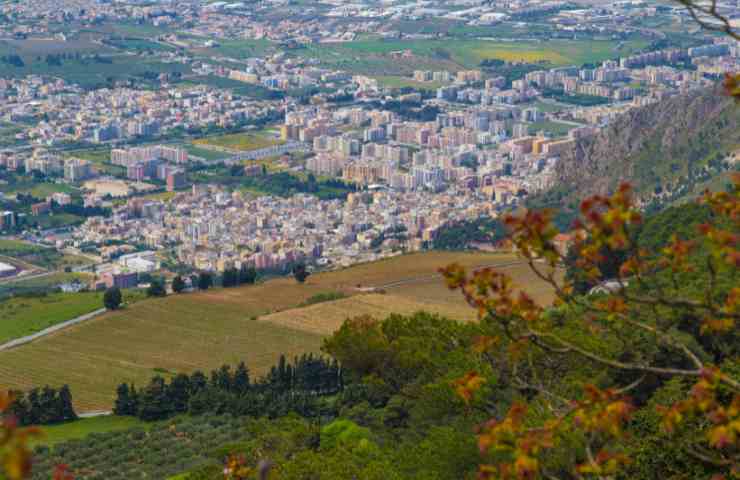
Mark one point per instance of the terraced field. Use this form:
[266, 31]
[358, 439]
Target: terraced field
[204, 330]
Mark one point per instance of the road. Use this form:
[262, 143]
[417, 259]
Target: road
[47, 331]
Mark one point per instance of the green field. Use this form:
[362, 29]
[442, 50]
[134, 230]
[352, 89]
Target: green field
[53, 434]
[57, 220]
[401, 82]
[237, 48]
[92, 73]
[39, 256]
[240, 88]
[557, 129]
[37, 189]
[14, 248]
[239, 141]
[100, 157]
[183, 333]
[205, 153]
[46, 281]
[23, 316]
[373, 57]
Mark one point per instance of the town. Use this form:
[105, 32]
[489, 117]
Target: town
[373, 169]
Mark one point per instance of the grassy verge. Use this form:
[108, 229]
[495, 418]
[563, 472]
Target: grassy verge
[53, 434]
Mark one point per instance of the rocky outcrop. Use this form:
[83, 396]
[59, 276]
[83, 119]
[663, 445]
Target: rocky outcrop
[657, 148]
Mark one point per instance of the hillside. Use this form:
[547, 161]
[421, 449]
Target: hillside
[667, 148]
[257, 324]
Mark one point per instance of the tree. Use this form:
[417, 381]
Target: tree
[154, 403]
[230, 278]
[707, 14]
[241, 381]
[178, 284]
[300, 273]
[112, 298]
[178, 392]
[66, 409]
[673, 313]
[124, 404]
[205, 281]
[247, 275]
[156, 288]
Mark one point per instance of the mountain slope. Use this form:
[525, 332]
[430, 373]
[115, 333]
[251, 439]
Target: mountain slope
[663, 149]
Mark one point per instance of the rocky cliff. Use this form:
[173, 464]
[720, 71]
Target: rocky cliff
[662, 149]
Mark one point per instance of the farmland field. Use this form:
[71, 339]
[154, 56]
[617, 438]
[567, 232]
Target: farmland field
[373, 57]
[238, 141]
[95, 72]
[23, 316]
[204, 330]
[240, 88]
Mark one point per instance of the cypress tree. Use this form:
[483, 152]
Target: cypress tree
[122, 405]
[154, 403]
[34, 408]
[66, 409]
[241, 379]
[178, 392]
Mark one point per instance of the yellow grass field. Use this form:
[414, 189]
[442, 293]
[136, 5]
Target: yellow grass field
[182, 333]
[520, 55]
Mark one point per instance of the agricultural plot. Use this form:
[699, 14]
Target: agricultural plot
[23, 316]
[156, 451]
[374, 56]
[204, 330]
[91, 72]
[236, 49]
[240, 88]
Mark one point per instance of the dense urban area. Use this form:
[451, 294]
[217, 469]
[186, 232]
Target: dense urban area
[244, 143]
[241, 239]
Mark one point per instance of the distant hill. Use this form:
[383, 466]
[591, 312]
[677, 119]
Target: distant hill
[665, 150]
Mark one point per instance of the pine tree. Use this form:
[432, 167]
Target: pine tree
[224, 379]
[48, 406]
[34, 407]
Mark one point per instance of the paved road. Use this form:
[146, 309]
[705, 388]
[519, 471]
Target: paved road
[98, 413]
[55, 328]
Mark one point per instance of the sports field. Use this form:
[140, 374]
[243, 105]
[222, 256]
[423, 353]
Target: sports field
[204, 330]
[239, 141]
